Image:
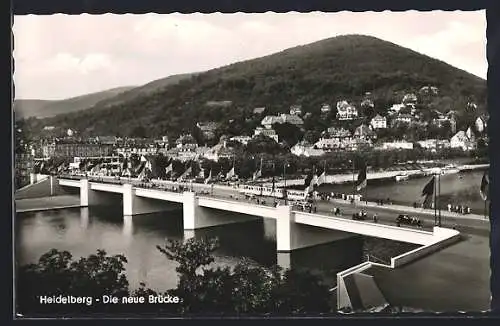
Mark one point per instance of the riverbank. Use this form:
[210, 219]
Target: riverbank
[385, 175]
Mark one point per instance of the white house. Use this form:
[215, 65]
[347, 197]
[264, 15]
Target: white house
[269, 120]
[379, 122]
[296, 110]
[480, 124]
[303, 148]
[326, 108]
[271, 133]
[461, 140]
[397, 145]
[346, 111]
[241, 139]
[434, 144]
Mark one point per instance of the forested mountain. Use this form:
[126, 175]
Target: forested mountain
[41, 109]
[343, 67]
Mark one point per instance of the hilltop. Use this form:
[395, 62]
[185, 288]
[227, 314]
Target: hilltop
[343, 67]
[47, 108]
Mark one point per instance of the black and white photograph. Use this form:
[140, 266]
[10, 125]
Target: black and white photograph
[251, 164]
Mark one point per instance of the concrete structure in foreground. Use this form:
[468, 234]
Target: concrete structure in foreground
[294, 229]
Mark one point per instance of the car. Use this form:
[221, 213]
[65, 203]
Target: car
[359, 216]
[408, 220]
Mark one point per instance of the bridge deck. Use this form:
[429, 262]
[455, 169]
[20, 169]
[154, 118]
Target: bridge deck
[229, 199]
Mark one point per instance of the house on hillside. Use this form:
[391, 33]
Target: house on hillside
[480, 124]
[304, 148]
[395, 108]
[241, 139]
[296, 110]
[409, 99]
[397, 144]
[258, 111]
[326, 108]
[219, 151]
[268, 132]
[434, 144]
[429, 90]
[186, 141]
[378, 122]
[443, 119]
[269, 120]
[402, 118]
[346, 111]
[208, 129]
[364, 132]
[292, 119]
[462, 140]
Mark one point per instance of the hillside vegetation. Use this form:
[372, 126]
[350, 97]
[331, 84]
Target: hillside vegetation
[42, 109]
[343, 67]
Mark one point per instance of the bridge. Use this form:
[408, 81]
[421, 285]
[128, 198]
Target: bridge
[295, 229]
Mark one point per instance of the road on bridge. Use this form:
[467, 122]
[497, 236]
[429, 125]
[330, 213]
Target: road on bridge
[385, 214]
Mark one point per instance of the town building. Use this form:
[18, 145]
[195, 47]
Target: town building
[326, 108]
[271, 133]
[480, 124]
[72, 149]
[409, 99]
[462, 140]
[397, 144]
[208, 129]
[296, 110]
[219, 151]
[434, 144]
[364, 132]
[402, 118]
[186, 141]
[270, 120]
[259, 110]
[445, 119]
[378, 122]
[429, 90]
[304, 148]
[346, 111]
[241, 139]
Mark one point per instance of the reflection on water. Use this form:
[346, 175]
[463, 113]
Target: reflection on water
[83, 231]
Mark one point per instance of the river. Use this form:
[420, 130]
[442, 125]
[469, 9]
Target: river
[83, 231]
[457, 189]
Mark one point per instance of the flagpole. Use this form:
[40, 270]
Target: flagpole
[439, 198]
[435, 210]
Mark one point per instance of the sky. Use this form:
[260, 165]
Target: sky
[61, 56]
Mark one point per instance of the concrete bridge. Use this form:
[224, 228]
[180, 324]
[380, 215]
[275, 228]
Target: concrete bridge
[294, 229]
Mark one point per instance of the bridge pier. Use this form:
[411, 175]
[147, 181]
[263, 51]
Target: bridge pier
[197, 217]
[135, 205]
[292, 236]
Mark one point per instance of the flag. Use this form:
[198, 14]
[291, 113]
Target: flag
[257, 174]
[169, 169]
[485, 184]
[429, 188]
[185, 174]
[207, 180]
[230, 174]
[428, 192]
[361, 182]
[321, 179]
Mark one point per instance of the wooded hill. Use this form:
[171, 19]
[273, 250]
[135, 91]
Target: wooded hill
[343, 67]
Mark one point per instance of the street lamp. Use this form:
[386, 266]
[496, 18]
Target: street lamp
[285, 195]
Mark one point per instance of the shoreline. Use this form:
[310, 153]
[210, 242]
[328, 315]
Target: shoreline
[385, 175]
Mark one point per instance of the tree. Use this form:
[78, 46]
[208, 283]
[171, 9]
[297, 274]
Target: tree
[244, 289]
[56, 273]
